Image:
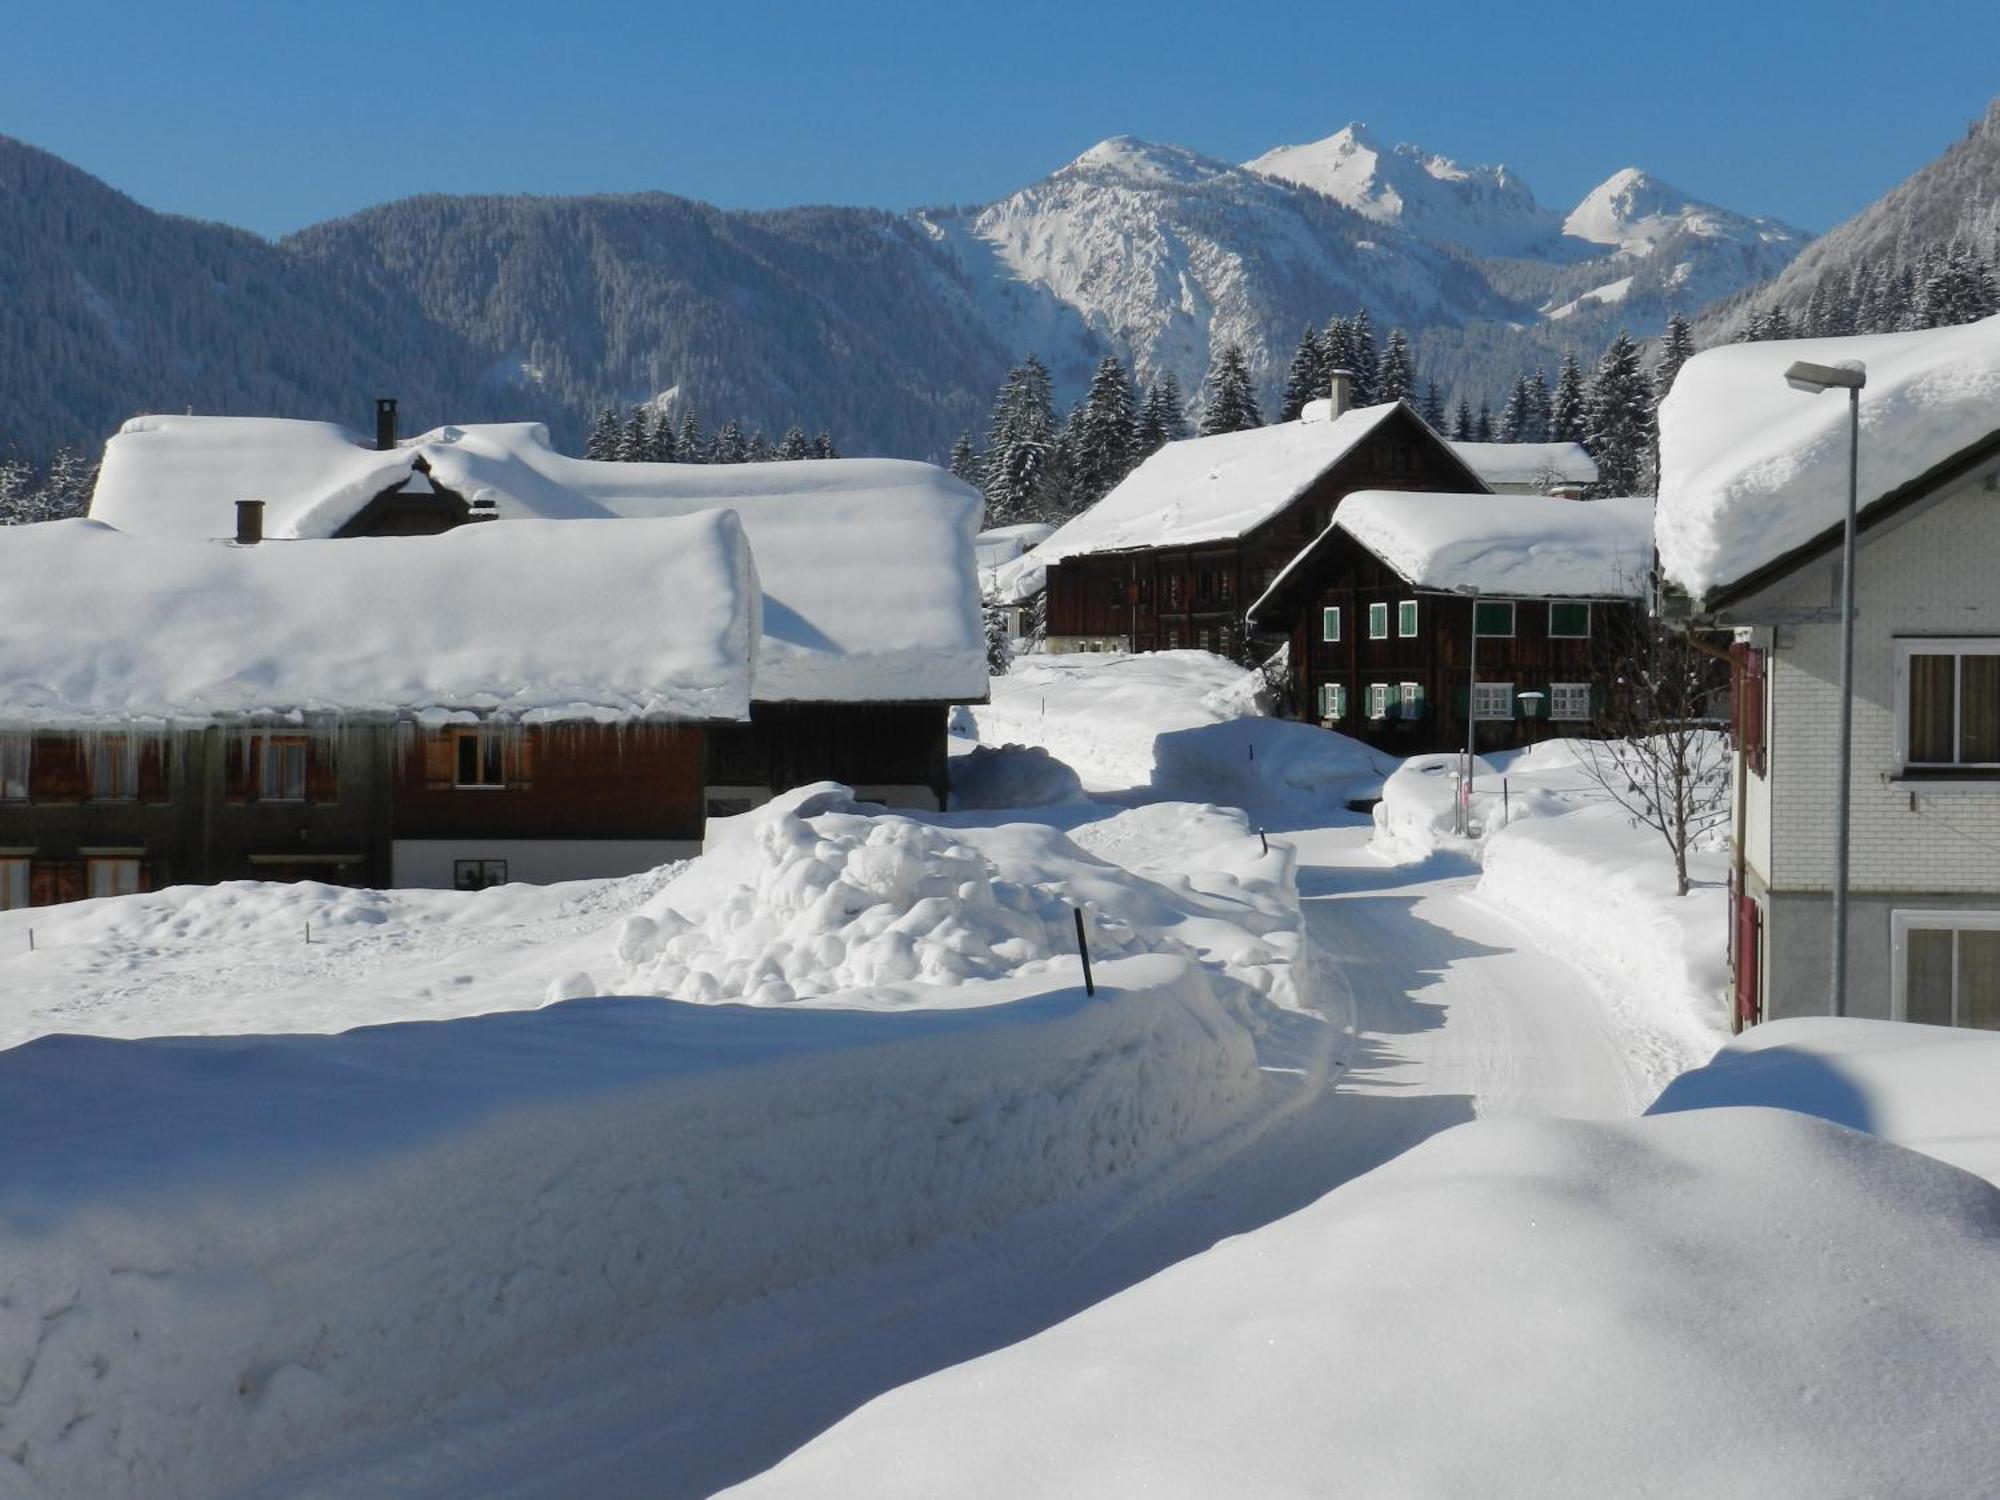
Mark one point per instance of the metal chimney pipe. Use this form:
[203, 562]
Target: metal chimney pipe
[385, 423]
[1342, 392]
[249, 522]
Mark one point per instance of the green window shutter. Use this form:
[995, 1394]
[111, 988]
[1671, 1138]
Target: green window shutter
[1329, 624]
[1495, 619]
[1406, 618]
[1339, 700]
[1378, 622]
[1461, 700]
[1569, 620]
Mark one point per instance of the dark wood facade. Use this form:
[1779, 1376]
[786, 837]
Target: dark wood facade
[1165, 598]
[112, 813]
[1396, 672]
[876, 748]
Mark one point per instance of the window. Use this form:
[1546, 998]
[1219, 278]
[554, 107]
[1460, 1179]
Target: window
[1406, 618]
[1495, 618]
[1378, 622]
[1411, 698]
[112, 877]
[1205, 639]
[1948, 702]
[1569, 700]
[13, 884]
[114, 769]
[1946, 967]
[1329, 624]
[1333, 700]
[282, 775]
[1381, 700]
[16, 750]
[1173, 638]
[480, 757]
[477, 874]
[1493, 700]
[1568, 621]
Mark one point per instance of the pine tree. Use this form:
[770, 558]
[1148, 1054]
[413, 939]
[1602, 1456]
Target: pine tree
[1461, 422]
[1676, 349]
[635, 442]
[1621, 419]
[1482, 430]
[1062, 493]
[663, 449]
[691, 446]
[67, 488]
[605, 433]
[1433, 406]
[1173, 408]
[1018, 444]
[1362, 335]
[1514, 416]
[1306, 379]
[1569, 418]
[823, 445]
[1106, 432]
[20, 492]
[1229, 399]
[759, 449]
[964, 462]
[1540, 404]
[1396, 374]
[731, 447]
[1336, 347]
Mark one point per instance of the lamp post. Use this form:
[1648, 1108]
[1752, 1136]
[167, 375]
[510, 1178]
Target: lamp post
[1470, 590]
[1850, 376]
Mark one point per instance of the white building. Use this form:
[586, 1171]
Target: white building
[1753, 490]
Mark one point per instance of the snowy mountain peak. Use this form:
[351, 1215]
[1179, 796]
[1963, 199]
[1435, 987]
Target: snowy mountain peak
[1147, 162]
[1488, 210]
[1635, 212]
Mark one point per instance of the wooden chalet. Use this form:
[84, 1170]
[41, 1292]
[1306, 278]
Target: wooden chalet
[1176, 553]
[1381, 608]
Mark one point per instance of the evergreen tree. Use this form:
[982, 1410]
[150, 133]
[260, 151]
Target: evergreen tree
[1396, 373]
[793, 445]
[1106, 432]
[1306, 379]
[1569, 418]
[691, 447]
[1482, 429]
[999, 650]
[1540, 405]
[759, 448]
[964, 462]
[1514, 416]
[1173, 408]
[1676, 348]
[1336, 347]
[662, 449]
[731, 447]
[605, 433]
[823, 445]
[1461, 422]
[635, 442]
[1062, 493]
[1621, 419]
[20, 492]
[1229, 398]
[1018, 444]
[1362, 335]
[1433, 406]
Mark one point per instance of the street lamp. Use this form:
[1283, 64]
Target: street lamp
[1470, 590]
[1849, 375]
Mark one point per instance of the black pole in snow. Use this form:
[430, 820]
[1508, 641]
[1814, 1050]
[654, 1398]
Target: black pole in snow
[1083, 951]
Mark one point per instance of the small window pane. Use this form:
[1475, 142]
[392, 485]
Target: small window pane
[1378, 622]
[1931, 682]
[1927, 984]
[1329, 624]
[468, 760]
[1569, 700]
[1406, 618]
[1569, 620]
[490, 749]
[1979, 709]
[1979, 978]
[114, 770]
[1413, 700]
[1494, 619]
[113, 877]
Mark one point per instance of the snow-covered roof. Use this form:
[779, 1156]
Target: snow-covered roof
[1529, 546]
[535, 621]
[1213, 488]
[867, 565]
[1003, 544]
[1751, 469]
[1521, 466]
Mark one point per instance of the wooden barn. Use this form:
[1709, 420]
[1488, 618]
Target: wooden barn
[421, 711]
[1382, 609]
[1175, 554]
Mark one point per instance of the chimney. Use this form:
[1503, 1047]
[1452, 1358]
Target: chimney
[249, 522]
[385, 423]
[1342, 393]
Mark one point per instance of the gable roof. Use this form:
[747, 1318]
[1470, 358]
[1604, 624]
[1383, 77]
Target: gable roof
[1218, 488]
[1522, 464]
[871, 589]
[1511, 546]
[534, 622]
[1753, 474]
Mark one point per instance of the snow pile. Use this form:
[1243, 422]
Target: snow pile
[1723, 1303]
[1523, 466]
[1926, 1087]
[1751, 468]
[1418, 812]
[486, 618]
[1012, 776]
[222, 1255]
[1522, 545]
[1204, 489]
[809, 897]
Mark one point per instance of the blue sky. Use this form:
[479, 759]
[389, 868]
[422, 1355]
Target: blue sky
[277, 114]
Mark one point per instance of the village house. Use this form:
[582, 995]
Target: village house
[1381, 611]
[870, 605]
[1754, 485]
[1181, 546]
[528, 702]
[1563, 469]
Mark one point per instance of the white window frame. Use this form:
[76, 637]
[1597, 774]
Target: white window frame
[274, 783]
[1566, 635]
[1378, 700]
[1559, 692]
[1491, 689]
[1513, 619]
[1378, 621]
[1959, 645]
[17, 765]
[1329, 624]
[1409, 605]
[111, 875]
[1333, 701]
[1410, 700]
[16, 882]
[1901, 922]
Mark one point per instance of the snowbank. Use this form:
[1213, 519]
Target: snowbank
[1520, 545]
[1722, 1303]
[1926, 1087]
[486, 617]
[220, 1255]
[1012, 776]
[1751, 468]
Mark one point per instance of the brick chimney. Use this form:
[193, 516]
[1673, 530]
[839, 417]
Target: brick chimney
[249, 522]
[385, 423]
[1342, 393]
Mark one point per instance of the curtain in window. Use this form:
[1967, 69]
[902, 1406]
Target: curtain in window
[1932, 679]
[1979, 708]
[1979, 978]
[1927, 984]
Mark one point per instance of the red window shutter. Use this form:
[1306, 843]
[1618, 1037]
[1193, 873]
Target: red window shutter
[55, 769]
[440, 761]
[1749, 925]
[153, 769]
[1747, 674]
[240, 752]
[322, 771]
